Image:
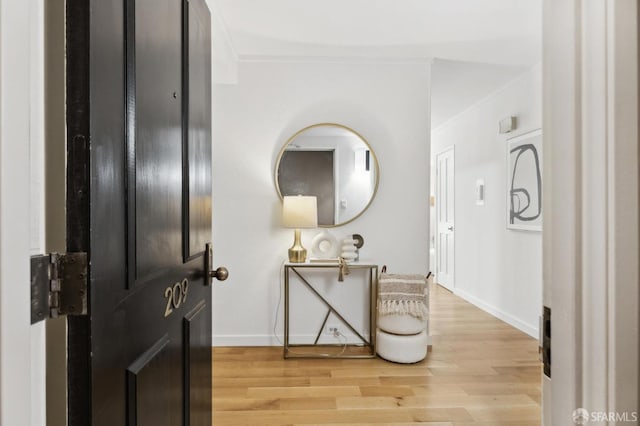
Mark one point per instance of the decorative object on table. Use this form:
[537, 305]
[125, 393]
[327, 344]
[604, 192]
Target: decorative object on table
[349, 250]
[343, 269]
[524, 182]
[325, 247]
[299, 212]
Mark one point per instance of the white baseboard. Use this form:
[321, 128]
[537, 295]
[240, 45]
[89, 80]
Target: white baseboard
[509, 319]
[247, 340]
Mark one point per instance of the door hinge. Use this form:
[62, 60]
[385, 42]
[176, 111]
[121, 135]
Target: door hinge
[58, 285]
[546, 341]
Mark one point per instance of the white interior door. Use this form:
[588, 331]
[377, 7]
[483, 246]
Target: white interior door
[445, 240]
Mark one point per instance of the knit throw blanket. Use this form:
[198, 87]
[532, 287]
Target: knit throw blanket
[403, 295]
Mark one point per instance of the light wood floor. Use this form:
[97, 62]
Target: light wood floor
[480, 371]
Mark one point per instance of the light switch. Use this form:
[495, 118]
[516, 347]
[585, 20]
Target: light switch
[343, 204]
[480, 192]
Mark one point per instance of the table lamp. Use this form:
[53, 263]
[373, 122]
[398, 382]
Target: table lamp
[298, 212]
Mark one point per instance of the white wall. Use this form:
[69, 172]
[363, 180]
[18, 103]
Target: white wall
[497, 269]
[224, 59]
[388, 104]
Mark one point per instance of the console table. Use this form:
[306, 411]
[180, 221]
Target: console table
[334, 268]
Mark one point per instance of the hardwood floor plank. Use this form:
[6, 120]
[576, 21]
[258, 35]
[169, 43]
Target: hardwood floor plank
[391, 424]
[284, 417]
[345, 381]
[303, 392]
[508, 423]
[416, 370]
[480, 372]
[395, 391]
[369, 402]
[248, 382]
[506, 414]
[308, 404]
[384, 424]
[501, 388]
[476, 401]
[246, 404]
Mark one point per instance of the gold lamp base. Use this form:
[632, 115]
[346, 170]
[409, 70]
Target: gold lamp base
[297, 253]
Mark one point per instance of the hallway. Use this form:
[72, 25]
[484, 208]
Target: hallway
[481, 371]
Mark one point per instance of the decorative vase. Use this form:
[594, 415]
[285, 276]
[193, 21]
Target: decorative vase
[325, 246]
[349, 250]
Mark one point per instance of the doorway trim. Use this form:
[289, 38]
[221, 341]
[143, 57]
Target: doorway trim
[20, 58]
[591, 223]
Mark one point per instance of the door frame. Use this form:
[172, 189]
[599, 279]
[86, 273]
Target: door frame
[590, 235]
[21, 103]
[55, 208]
[452, 148]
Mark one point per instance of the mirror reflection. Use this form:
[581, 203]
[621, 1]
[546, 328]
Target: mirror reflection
[335, 164]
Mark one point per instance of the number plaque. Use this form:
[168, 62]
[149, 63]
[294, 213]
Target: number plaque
[176, 295]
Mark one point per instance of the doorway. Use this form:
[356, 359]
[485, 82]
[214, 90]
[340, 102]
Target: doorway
[445, 218]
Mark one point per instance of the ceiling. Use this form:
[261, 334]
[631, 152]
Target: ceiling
[478, 45]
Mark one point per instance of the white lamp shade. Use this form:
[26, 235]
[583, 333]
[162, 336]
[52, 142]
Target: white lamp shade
[300, 211]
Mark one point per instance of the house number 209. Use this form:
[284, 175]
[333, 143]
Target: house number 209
[176, 295]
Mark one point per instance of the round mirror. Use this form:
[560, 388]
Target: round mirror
[335, 164]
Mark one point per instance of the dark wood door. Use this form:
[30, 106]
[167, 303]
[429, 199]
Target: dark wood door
[139, 203]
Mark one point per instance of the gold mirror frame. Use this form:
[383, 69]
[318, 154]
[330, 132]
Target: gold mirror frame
[368, 146]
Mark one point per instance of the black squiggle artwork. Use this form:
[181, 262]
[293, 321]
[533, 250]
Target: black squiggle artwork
[520, 197]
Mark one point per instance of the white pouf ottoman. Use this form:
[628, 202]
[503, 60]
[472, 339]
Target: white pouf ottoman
[402, 348]
[403, 317]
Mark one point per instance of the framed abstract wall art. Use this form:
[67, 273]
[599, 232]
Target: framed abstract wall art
[524, 181]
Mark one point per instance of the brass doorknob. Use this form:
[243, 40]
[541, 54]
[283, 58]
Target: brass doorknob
[220, 274]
